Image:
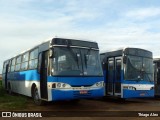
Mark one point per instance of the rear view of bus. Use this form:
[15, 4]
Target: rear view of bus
[59, 69]
[128, 73]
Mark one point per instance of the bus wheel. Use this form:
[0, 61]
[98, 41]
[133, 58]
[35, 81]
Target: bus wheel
[36, 97]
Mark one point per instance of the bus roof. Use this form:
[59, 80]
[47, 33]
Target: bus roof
[121, 48]
[129, 51]
[112, 50]
[50, 40]
[73, 43]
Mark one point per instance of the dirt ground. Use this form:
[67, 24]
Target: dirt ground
[107, 104]
[99, 109]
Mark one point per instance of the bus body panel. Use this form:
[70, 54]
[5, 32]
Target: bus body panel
[21, 82]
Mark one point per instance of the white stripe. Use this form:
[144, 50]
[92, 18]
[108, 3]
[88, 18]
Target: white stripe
[23, 87]
[139, 86]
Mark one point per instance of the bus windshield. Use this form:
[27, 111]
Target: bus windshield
[69, 61]
[139, 68]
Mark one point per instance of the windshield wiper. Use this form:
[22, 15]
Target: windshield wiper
[74, 56]
[85, 59]
[86, 56]
[144, 72]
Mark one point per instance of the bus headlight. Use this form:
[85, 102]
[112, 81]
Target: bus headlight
[60, 85]
[99, 84]
[129, 87]
[63, 85]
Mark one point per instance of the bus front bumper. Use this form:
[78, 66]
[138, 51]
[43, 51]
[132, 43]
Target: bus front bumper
[137, 93]
[59, 94]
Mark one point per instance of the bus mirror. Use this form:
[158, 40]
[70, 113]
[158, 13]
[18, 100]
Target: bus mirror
[124, 59]
[50, 53]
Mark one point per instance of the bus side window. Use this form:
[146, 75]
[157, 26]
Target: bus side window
[33, 59]
[110, 70]
[4, 67]
[118, 69]
[18, 63]
[13, 64]
[25, 59]
[9, 67]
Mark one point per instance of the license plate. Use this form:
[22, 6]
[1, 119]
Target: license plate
[83, 92]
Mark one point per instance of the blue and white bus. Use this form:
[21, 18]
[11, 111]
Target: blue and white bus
[128, 73]
[59, 69]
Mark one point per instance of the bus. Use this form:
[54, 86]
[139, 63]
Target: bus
[156, 63]
[128, 73]
[58, 69]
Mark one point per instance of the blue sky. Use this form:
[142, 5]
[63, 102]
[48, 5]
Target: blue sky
[112, 23]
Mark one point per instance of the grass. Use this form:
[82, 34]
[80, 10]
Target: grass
[11, 102]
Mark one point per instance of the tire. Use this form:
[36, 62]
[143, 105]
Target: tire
[36, 97]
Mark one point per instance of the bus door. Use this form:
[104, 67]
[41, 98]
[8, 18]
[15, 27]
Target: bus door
[117, 82]
[110, 80]
[43, 74]
[6, 74]
[157, 78]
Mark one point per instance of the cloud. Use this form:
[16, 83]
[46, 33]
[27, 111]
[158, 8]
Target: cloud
[25, 23]
[143, 13]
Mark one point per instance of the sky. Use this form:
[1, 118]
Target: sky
[112, 23]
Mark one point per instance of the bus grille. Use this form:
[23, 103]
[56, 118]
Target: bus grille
[77, 94]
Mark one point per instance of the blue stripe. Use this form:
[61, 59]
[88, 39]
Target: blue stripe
[24, 75]
[33, 75]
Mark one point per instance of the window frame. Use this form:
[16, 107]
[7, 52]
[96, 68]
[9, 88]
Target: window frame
[33, 59]
[18, 63]
[25, 61]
